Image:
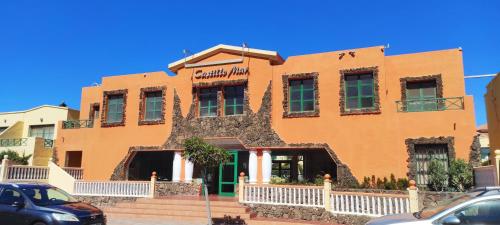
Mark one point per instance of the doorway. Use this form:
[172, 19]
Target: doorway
[228, 175]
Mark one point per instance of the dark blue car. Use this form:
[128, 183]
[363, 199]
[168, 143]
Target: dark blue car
[43, 204]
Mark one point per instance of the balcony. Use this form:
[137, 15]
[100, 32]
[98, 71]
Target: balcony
[76, 124]
[432, 104]
[39, 148]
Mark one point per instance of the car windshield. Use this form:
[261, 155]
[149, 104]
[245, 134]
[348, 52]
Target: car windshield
[429, 212]
[46, 196]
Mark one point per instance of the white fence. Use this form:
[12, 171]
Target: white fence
[284, 195]
[113, 188]
[33, 173]
[75, 172]
[369, 204]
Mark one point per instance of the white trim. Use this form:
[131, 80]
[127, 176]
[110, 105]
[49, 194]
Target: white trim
[273, 55]
[33, 109]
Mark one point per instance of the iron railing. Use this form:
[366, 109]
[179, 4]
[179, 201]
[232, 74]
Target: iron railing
[12, 142]
[48, 143]
[431, 104]
[75, 124]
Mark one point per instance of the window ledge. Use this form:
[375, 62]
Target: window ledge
[301, 114]
[113, 124]
[151, 122]
[365, 111]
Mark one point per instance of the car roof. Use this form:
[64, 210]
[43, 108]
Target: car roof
[24, 184]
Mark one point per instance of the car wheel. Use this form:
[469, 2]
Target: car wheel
[39, 223]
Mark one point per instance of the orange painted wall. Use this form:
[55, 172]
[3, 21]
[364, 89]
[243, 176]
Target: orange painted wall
[492, 99]
[368, 144]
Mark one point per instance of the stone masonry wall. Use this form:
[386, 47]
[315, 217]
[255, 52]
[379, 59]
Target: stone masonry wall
[172, 188]
[102, 201]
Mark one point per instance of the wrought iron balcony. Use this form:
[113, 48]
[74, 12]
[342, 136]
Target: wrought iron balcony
[13, 142]
[431, 104]
[48, 143]
[76, 124]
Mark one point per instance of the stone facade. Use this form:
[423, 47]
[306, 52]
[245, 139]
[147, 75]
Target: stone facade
[103, 201]
[286, 95]
[305, 214]
[172, 188]
[142, 105]
[376, 101]
[412, 160]
[475, 152]
[104, 109]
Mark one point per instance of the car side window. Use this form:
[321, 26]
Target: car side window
[9, 196]
[484, 212]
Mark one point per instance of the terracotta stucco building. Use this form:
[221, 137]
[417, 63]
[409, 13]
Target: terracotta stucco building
[350, 113]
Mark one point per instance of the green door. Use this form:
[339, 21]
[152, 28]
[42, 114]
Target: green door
[228, 178]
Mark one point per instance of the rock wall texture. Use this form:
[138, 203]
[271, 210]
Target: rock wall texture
[305, 214]
[171, 188]
[101, 201]
[475, 152]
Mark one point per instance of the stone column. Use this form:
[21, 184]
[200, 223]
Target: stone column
[497, 164]
[413, 196]
[252, 167]
[4, 168]
[267, 164]
[176, 167]
[188, 171]
[327, 189]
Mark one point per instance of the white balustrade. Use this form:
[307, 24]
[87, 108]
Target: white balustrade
[309, 196]
[369, 204]
[32, 173]
[113, 188]
[75, 172]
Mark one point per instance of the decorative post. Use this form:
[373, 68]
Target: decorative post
[252, 167]
[241, 186]
[267, 164]
[413, 196]
[176, 167]
[327, 189]
[497, 164]
[152, 185]
[4, 168]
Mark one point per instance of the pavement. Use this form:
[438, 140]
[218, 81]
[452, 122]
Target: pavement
[144, 221]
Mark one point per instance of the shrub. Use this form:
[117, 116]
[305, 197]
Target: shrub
[15, 157]
[391, 184]
[366, 182]
[402, 183]
[278, 180]
[438, 177]
[319, 180]
[460, 175]
[380, 183]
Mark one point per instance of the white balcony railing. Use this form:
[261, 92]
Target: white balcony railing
[284, 195]
[33, 173]
[75, 172]
[369, 204]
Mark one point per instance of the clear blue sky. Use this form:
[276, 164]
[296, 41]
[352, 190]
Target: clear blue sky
[50, 49]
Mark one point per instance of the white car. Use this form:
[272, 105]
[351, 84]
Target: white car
[479, 207]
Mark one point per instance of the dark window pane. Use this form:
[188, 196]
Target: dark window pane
[367, 102]
[295, 83]
[227, 173]
[352, 91]
[367, 90]
[308, 95]
[307, 84]
[204, 112]
[351, 78]
[295, 106]
[352, 103]
[366, 78]
[229, 110]
[295, 96]
[239, 110]
[308, 106]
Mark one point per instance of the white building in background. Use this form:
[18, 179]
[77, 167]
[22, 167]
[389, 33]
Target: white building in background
[32, 132]
[484, 141]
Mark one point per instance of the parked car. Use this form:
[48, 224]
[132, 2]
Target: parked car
[43, 204]
[479, 207]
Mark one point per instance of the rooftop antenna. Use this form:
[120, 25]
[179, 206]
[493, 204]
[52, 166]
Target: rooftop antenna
[243, 46]
[186, 53]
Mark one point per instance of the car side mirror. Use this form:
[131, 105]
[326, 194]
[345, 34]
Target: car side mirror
[18, 204]
[451, 220]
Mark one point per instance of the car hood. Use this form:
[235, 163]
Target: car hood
[78, 209]
[393, 219]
